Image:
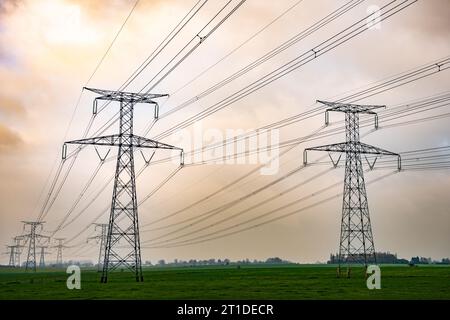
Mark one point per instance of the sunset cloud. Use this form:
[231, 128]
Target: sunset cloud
[8, 138]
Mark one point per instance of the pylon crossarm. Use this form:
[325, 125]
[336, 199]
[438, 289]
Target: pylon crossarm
[358, 147]
[142, 142]
[352, 148]
[117, 140]
[347, 107]
[126, 96]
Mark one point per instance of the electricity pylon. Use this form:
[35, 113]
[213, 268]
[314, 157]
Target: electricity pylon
[42, 258]
[18, 249]
[123, 221]
[59, 253]
[31, 239]
[14, 252]
[356, 240]
[101, 239]
[11, 251]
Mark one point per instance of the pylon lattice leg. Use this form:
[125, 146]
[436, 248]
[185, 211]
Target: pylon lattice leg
[123, 222]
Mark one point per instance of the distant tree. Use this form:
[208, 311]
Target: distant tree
[162, 262]
[274, 260]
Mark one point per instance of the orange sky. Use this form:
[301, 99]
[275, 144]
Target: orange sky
[49, 48]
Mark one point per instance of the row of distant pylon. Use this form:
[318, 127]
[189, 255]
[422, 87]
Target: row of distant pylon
[34, 241]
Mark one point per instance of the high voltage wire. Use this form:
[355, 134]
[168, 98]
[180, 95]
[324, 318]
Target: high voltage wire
[387, 85]
[78, 199]
[58, 172]
[269, 55]
[404, 2]
[106, 209]
[308, 56]
[253, 36]
[113, 41]
[194, 6]
[201, 41]
[81, 93]
[232, 203]
[161, 46]
[100, 215]
[292, 41]
[102, 212]
[207, 214]
[214, 212]
[410, 110]
[220, 190]
[92, 201]
[291, 142]
[199, 239]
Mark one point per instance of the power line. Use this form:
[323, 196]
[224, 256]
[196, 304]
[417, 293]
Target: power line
[338, 39]
[201, 39]
[269, 55]
[112, 43]
[161, 46]
[253, 36]
[214, 236]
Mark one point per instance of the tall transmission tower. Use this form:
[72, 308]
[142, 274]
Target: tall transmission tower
[59, 253]
[32, 238]
[11, 251]
[18, 249]
[101, 239]
[43, 253]
[356, 244]
[124, 199]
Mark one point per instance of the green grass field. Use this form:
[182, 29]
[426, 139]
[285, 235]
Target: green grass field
[252, 282]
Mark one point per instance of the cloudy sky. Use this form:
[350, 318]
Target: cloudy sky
[49, 49]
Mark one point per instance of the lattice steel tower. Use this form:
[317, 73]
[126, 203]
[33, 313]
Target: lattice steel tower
[14, 252]
[18, 249]
[11, 251]
[356, 244]
[31, 238]
[42, 258]
[101, 239]
[59, 251]
[124, 200]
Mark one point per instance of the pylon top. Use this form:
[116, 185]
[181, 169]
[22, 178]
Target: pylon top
[33, 222]
[351, 108]
[122, 96]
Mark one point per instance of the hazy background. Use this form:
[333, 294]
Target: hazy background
[45, 60]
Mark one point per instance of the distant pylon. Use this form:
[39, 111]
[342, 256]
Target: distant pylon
[12, 255]
[59, 253]
[123, 220]
[356, 240]
[42, 258]
[18, 249]
[31, 239]
[101, 239]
